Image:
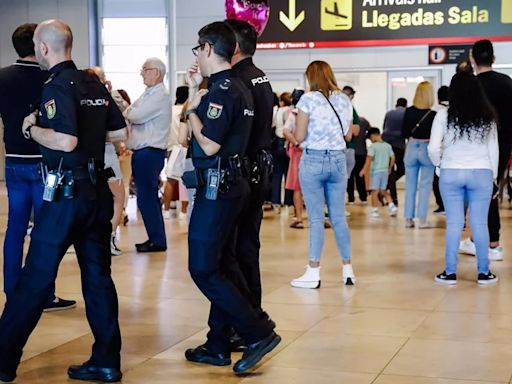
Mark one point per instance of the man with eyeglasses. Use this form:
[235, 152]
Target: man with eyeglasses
[220, 121]
[150, 119]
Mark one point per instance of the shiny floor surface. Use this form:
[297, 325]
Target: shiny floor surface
[396, 326]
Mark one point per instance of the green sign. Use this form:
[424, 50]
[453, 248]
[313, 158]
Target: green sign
[338, 23]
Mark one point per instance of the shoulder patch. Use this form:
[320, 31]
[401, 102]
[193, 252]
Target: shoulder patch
[214, 111]
[51, 108]
[225, 84]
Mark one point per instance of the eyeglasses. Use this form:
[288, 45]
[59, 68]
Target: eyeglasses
[146, 69]
[195, 50]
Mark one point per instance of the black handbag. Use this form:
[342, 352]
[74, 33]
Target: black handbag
[192, 179]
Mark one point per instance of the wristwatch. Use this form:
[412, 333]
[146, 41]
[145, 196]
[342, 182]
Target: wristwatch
[189, 112]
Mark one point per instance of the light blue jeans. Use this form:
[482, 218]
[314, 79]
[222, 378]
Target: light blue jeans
[323, 178]
[475, 187]
[350, 155]
[417, 166]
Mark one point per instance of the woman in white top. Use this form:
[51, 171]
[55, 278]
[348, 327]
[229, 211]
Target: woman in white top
[464, 143]
[323, 122]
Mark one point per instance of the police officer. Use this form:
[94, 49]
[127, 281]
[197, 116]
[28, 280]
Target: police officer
[246, 240]
[75, 115]
[220, 121]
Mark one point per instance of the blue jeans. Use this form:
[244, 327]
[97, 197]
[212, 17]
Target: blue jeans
[417, 165]
[474, 186]
[350, 155]
[147, 163]
[323, 178]
[24, 192]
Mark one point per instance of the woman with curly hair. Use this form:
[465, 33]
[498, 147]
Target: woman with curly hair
[464, 143]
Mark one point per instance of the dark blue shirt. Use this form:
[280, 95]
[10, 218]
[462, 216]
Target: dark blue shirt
[20, 91]
[77, 104]
[226, 113]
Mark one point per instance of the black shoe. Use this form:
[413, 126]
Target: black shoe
[7, 377]
[443, 278]
[439, 211]
[90, 372]
[236, 343]
[255, 352]
[59, 304]
[203, 355]
[138, 245]
[151, 247]
[265, 316]
[487, 278]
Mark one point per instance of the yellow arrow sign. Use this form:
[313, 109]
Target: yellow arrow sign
[292, 20]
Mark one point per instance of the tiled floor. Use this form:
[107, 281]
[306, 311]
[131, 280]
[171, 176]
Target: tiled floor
[396, 326]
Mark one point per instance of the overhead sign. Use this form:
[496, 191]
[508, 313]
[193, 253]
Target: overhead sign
[346, 23]
[448, 54]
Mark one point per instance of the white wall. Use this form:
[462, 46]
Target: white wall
[16, 12]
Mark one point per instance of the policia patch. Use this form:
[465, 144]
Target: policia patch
[214, 111]
[51, 108]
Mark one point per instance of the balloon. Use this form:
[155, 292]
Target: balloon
[255, 12]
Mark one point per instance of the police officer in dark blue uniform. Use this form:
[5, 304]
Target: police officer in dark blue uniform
[220, 120]
[75, 116]
[246, 242]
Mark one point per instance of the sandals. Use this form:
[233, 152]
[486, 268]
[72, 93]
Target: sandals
[297, 224]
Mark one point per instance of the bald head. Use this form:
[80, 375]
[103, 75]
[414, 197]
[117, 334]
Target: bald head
[53, 41]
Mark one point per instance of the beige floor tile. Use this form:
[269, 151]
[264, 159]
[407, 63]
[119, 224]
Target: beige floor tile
[487, 328]
[332, 294]
[295, 317]
[390, 379]
[345, 353]
[454, 360]
[303, 376]
[371, 321]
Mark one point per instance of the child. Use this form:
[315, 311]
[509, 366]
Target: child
[378, 166]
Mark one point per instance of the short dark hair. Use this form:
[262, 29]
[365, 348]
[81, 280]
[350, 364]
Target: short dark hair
[246, 35]
[373, 131]
[349, 89]
[483, 53]
[296, 95]
[220, 37]
[401, 102]
[443, 93]
[181, 94]
[22, 39]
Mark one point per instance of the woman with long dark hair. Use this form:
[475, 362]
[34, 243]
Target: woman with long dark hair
[464, 143]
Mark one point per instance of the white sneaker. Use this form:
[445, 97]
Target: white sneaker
[468, 247]
[114, 250]
[409, 223]
[375, 213]
[392, 209]
[347, 214]
[496, 254]
[348, 275]
[310, 279]
[166, 214]
[425, 225]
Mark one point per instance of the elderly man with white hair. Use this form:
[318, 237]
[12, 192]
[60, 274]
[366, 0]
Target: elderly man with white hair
[150, 118]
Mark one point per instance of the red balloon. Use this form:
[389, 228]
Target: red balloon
[255, 12]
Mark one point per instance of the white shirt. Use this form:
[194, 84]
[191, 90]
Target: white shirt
[281, 116]
[324, 130]
[175, 125]
[150, 118]
[461, 153]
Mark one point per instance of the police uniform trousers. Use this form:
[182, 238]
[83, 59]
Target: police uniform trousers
[211, 223]
[83, 221]
[147, 163]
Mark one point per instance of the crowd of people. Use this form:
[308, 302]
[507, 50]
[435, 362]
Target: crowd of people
[227, 148]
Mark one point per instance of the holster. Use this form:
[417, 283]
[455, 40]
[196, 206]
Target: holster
[193, 179]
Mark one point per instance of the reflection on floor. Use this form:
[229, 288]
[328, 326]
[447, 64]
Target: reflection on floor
[396, 326]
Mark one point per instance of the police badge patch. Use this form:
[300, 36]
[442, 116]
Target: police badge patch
[214, 111]
[51, 108]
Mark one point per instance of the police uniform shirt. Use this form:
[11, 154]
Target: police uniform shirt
[20, 91]
[77, 104]
[257, 82]
[226, 113]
